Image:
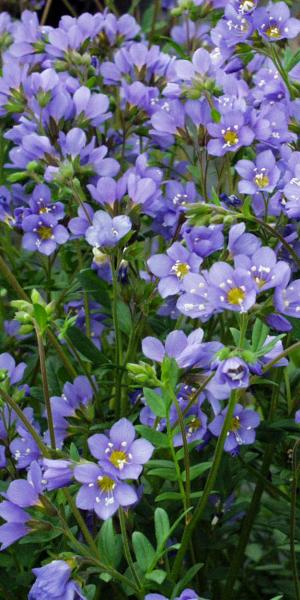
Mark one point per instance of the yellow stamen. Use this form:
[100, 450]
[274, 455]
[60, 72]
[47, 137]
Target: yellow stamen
[106, 484]
[235, 296]
[235, 424]
[118, 458]
[181, 269]
[231, 137]
[45, 233]
[261, 180]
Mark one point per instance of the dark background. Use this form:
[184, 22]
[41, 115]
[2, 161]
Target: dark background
[15, 7]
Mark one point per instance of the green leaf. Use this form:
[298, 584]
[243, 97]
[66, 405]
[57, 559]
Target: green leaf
[247, 203]
[143, 549]
[158, 576]
[147, 18]
[190, 574]
[110, 544]
[124, 317]
[214, 197]
[84, 345]
[164, 472]
[97, 287]
[89, 591]
[74, 454]
[157, 438]
[215, 115]
[268, 347]
[259, 334]
[169, 372]
[168, 496]
[40, 317]
[235, 334]
[155, 402]
[162, 525]
[197, 470]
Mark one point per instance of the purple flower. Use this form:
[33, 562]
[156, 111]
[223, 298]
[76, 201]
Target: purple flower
[275, 23]
[25, 493]
[8, 368]
[203, 240]
[24, 449]
[187, 594]
[278, 322]
[172, 268]
[107, 190]
[264, 268]
[242, 427]
[287, 299]
[101, 490]
[57, 473]
[276, 351]
[79, 225]
[43, 233]
[195, 302]
[231, 289]
[15, 527]
[262, 175]
[75, 395]
[297, 416]
[240, 242]
[234, 372]
[53, 583]
[229, 135]
[188, 350]
[107, 231]
[120, 453]
[90, 107]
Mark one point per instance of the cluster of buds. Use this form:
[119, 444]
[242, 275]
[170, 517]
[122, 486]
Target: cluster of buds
[33, 314]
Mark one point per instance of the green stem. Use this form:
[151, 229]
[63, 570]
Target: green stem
[293, 523]
[84, 551]
[42, 358]
[278, 236]
[9, 276]
[177, 467]
[186, 454]
[210, 482]
[13, 404]
[118, 341]
[277, 62]
[85, 532]
[56, 345]
[284, 353]
[238, 557]
[127, 550]
[154, 20]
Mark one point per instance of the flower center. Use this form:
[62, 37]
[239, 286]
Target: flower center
[273, 32]
[235, 296]
[181, 269]
[236, 374]
[44, 232]
[118, 458]
[231, 137]
[247, 5]
[261, 180]
[106, 484]
[193, 425]
[235, 424]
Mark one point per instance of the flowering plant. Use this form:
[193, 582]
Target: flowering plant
[150, 302]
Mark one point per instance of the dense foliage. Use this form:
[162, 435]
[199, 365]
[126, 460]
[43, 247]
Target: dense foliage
[150, 303]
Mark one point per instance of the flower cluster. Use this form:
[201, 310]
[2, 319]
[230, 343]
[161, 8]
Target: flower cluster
[150, 297]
